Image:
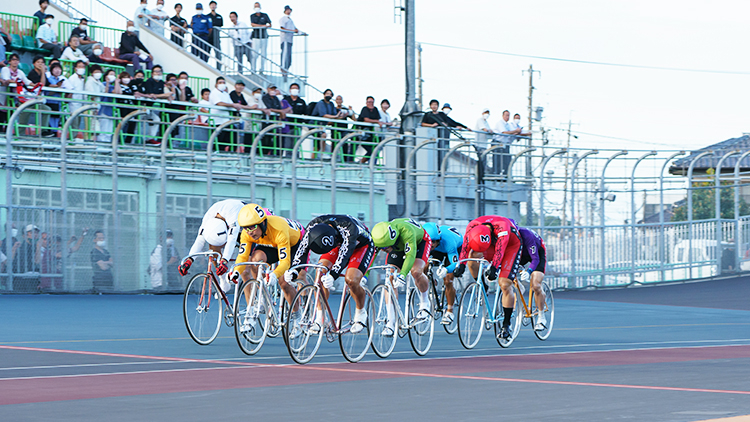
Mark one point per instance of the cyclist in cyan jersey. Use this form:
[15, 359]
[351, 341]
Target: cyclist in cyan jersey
[495, 239]
[408, 247]
[446, 247]
[346, 247]
[535, 253]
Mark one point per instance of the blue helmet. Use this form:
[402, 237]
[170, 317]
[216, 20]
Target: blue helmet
[432, 230]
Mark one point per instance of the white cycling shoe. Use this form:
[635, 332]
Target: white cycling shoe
[541, 322]
[390, 328]
[424, 311]
[315, 329]
[448, 318]
[248, 324]
[360, 321]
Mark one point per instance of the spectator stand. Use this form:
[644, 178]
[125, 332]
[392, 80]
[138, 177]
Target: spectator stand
[22, 32]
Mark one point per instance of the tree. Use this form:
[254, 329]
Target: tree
[704, 201]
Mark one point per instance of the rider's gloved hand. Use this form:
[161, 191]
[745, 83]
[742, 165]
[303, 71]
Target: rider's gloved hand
[459, 271]
[235, 276]
[399, 281]
[441, 272]
[273, 278]
[290, 275]
[223, 267]
[327, 280]
[491, 274]
[185, 266]
[523, 275]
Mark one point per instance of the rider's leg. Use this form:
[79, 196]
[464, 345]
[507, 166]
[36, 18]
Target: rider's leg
[353, 278]
[473, 265]
[450, 292]
[509, 298]
[536, 285]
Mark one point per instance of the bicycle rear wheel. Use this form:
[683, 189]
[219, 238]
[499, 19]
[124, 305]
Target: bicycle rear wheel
[515, 319]
[354, 346]
[201, 310]
[382, 344]
[251, 326]
[471, 315]
[453, 326]
[549, 312]
[302, 340]
[421, 334]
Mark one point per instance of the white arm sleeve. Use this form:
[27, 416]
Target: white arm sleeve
[199, 245]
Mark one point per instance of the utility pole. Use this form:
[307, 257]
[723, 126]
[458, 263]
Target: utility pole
[420, 104]
[567, 160]
[529, 197]
[410, 49]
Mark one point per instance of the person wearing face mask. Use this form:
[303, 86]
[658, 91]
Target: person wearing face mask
[87, 45]
[55, 79]
[124, 87]
[106, 123]
[132, 49]
[238, 97]
[517, 125]
[156, 89]
[259, 36]
[483, 130]
[299, 106]
[327, 110]
[217, 21]
[185, 93]
[141, 15]
[46, 37]
[159, 17]
[101, 264]
[95, 84]
[72, 52]
[242, 43]
[505, 133]
[76, 84]
[272, 100]
[38, 78]
[220, 97]
[155, 265]
[202, 26]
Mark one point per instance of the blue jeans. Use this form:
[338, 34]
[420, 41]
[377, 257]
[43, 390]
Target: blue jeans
[286, 55]
[136, 59]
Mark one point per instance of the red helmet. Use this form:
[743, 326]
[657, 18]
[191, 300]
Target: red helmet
[480, 238]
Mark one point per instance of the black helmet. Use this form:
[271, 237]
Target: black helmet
[322, 238]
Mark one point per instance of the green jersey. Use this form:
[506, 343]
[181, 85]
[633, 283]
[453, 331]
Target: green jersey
[410, 233]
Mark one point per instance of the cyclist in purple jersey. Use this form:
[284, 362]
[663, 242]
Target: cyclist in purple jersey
[534, 252]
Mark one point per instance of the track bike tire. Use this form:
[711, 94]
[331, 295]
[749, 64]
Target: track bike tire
[202, 322]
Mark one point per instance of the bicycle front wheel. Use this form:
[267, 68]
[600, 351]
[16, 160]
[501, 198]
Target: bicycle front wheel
[354, 345]
[251, 325]
[515, 319]
[471, 315]
[549, 311]
[202, 309]
[422, 330]
[384, 311]
[303, 333]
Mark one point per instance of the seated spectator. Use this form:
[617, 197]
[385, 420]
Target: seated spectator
[41, 14]
[96, 56]
[184, 92]
[202, 118]
[132, 49]
[220, 97]
[46, 37]
[483, 130]
[87, 45]
[125, 87]
[72, 52]
[159, 16]
[369, 114]
[55, 79]
[178, 25]
[76, 83]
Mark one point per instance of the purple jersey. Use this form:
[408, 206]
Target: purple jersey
[533, 249]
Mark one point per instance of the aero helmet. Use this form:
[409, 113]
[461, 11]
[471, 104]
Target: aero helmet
[215, 232]
[383, 235]
[432, 230]
[480, 238]
[322, 238]
[250, 215]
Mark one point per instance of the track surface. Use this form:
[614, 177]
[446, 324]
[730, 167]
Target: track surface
[669, 353]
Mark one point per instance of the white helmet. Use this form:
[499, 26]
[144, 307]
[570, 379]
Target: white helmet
[215, 232]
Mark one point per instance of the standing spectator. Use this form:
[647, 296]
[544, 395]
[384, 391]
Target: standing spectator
[242, 41]
[483, 130]
[287, 38]
[124, 87]
[76, 83]
[517, 125]
[55, 79]
[217, 21]
[260, 36]
[101, 263]
[327, 110]
[132, 49]
[452, 123]
[272, 100]
[173, 258]
[46, 37]
[38, 75]
[94, 84]
[155, 266]
[87, 45]
[505, 133]
[156, 89]
[369, 114]
[179, 25]
[106, 123]
[202, 26]
[160, 17]
[13, 242]
[51, 264]
[141, 16]
[441, 122]
[220, 97]
[202, 118]
[344, 113]
[26, 259]
[41, 14]
[72, 52]
[238, 97]
[384, 116]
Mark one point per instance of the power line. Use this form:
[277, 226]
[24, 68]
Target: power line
[356, 48]
[558, 59]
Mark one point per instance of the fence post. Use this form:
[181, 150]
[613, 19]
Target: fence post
[480, 178]
[737, 226]
[409, 158]
[690, 210]
[334, 153]
[541, 188]
[253, 154]
[209, 157]
[633, 247]
[602, 201]
[717, 197]
[443, 170]
[573, 212]
[662, 251]
[373, 159]
[295, 151]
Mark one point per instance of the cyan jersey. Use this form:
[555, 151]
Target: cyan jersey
[450, 244]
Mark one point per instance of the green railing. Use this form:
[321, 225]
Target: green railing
[109, 37]
[19, 24]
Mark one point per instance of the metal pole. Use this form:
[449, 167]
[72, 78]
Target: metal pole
[254, 152]
[602, 201]
[573, 212]
[690, 210]
[407, 202]
[209, 157]
[295, 150]
[410, 50]
[717, 197]
[633, 246]
[334, 154]
[541, 187]
[443, 170]
[662, 251]
[737, 226]
[373, 159]
[508, 175]
[482, 157]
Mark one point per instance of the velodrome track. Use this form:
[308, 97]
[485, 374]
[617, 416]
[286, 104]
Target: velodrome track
[668, 353]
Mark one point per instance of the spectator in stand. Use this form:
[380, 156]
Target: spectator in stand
[327, 110]
[369, 114]
[452, 123]
[272, 100]
[159, 16]
[101, 263]
[385, 118]
[124, 87]
[202, 27]
[184, 93]
[96, 55]
[46, 37]
[260, 36]
[4, 42]
[38, 78]
[94, 85]
[505, 133]
[299, 106]
[86, 44]
[202, 118]
[55, 79]
[483, 130]
[238, 97]
[344, 113]
[287, 38]
[106, 124]
[217, 21]
[41, 14]
[26, 259]
[179, 25]
[72, 52]
[517, 125]
[76, 83]
[140, 18]
[132, 49]
[242, 42]
[220, 97]
[11, 75]
[156, 89]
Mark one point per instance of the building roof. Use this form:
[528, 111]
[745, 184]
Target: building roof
[718, 150]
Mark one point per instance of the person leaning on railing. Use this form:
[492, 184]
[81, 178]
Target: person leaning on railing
[178, 25]
[55, 79]
[76, 83]
[38, 76]
[125, 87]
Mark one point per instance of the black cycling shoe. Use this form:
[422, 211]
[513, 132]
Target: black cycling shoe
[504, 333]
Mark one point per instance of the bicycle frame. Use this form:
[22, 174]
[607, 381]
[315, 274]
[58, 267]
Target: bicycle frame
[318, 295]
[212, 255]
[390, 272]
[491, 317]
[263, 269]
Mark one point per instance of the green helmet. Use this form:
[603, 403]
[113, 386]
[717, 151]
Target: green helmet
[383, 235]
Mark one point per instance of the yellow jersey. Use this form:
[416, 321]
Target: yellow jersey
[281, 233]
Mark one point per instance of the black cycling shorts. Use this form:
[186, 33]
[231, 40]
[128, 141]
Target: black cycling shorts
[397, 257]
[272, 253]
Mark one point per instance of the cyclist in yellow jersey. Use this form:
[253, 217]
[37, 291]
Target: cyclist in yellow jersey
[267, 238]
